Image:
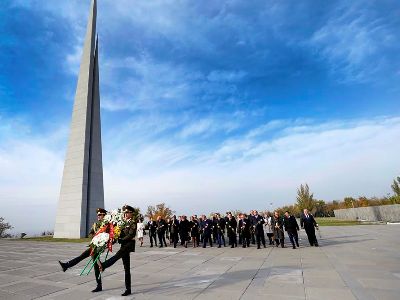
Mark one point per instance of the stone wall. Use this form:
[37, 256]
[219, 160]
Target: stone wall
[390, 213]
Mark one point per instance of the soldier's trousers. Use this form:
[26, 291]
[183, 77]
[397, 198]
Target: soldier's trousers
[123, 253]
[81, 257]
[260, 239]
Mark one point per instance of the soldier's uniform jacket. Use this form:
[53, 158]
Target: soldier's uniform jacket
[128, 233]
[95, 227]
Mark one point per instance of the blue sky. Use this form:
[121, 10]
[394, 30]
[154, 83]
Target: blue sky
[206, 106]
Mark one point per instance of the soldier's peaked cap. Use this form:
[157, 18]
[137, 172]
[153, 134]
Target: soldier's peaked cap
[101, 211]
[127, 209]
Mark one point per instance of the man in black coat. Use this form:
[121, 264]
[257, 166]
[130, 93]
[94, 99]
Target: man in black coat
[207, 231]
[219, 224]
[258, 222]
[152, 226]
[161, 228]
[291, 228]
[127, 241]
[231, 226]
[244, 225]
[252, 219]
[308, 222]
[184, 230]
[174, 230]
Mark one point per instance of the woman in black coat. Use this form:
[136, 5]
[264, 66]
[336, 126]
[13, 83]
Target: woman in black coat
[194, 230]
[277, 227]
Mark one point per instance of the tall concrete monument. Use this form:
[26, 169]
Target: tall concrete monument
[82, 182]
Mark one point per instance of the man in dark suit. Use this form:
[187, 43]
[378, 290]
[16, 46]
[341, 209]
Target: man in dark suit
[174, 230]
[184, 229]
[231, 226]
[152, 226]
[101, 212]
[127, 241]
[308, 222]
[207, 231]
[291, 228]
[161, 228]
[244, 225]
[258, 222]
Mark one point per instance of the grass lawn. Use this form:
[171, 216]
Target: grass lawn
[51, 239]
[337, 222]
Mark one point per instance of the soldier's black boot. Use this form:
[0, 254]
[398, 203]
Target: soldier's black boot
[126, 293]
[64, 266]
[99, 288]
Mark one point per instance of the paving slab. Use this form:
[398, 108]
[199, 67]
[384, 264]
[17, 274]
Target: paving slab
[353, 262]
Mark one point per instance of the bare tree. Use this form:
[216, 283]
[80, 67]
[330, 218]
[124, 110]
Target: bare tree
[4, 226]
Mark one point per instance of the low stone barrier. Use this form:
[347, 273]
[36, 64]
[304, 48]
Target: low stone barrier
[388, 213]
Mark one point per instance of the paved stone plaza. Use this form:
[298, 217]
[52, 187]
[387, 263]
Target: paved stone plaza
[353, 262]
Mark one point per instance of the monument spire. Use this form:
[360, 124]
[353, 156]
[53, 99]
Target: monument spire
[82, 182]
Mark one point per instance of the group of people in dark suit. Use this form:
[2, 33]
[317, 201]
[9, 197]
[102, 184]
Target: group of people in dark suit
[242, 229]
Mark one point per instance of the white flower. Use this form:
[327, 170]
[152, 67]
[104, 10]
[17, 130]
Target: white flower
[101, 239]
[107, 218]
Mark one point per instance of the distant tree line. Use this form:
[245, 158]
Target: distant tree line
[321, 208]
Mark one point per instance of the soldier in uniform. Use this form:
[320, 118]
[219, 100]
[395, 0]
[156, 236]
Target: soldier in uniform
[291, 228]
[258, 222]
[127, 241]
[231, 226]
[101, 212]
[277, 225]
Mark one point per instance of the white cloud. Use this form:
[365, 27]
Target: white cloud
[336, 159]
[350, 42]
